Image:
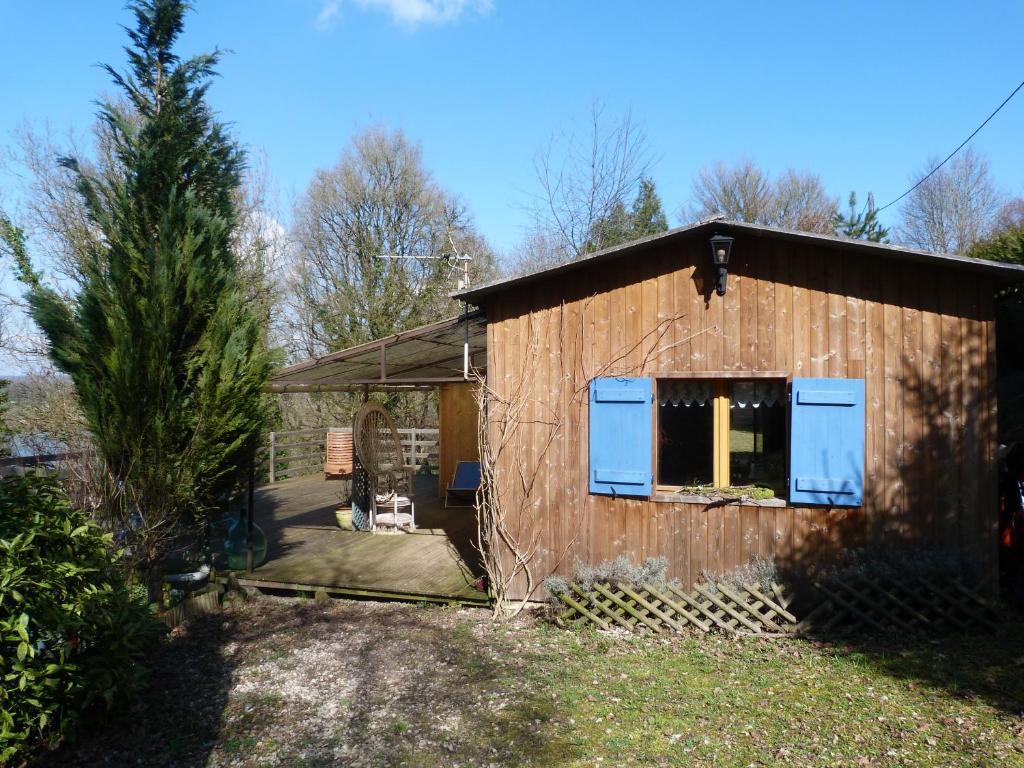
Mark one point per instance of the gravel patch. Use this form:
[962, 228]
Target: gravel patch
[285, 682]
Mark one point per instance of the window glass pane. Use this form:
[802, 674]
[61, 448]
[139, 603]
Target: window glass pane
[685, 438]
[757, 434]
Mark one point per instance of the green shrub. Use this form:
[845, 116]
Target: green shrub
[71, 636]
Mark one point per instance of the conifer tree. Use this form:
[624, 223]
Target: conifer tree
[1006, 245]
[643, 218]
[167, 357]
[863, 225]
[647, 214]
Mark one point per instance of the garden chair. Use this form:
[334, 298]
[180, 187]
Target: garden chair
[465, 483]
[379, 451]
[339, 455]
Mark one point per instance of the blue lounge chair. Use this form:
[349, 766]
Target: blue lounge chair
[465, 483]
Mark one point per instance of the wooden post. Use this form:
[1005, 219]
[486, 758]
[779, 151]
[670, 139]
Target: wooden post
[250, 517]
[412, 450]
[273, 457]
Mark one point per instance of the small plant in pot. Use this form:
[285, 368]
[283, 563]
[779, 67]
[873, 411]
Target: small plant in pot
[343, 512]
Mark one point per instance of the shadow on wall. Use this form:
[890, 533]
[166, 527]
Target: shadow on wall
[940, 494]
[943, 502]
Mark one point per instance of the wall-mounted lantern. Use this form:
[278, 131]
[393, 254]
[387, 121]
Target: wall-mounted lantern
[721, 246]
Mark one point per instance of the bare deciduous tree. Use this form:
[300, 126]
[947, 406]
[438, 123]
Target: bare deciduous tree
[368, 235]
[954, 208]
[802, 203]
[53, 215]
[367, 245]
[742, 192]
[745, 192]
[583, 176]
[538, 249]
[1011, 215]
[261, 243]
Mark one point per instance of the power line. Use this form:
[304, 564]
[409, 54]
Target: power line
[962, 145]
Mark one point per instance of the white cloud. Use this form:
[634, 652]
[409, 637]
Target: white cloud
[328, 15]
[409, 13]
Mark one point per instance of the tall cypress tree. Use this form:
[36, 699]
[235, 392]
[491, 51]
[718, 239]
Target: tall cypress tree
[166, 356]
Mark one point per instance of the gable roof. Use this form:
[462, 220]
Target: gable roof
[1000, 270]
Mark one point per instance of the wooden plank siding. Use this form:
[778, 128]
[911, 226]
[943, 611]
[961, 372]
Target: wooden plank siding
[920, 335]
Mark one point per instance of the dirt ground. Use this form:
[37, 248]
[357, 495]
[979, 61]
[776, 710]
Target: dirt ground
[291, 682]
[276, 682]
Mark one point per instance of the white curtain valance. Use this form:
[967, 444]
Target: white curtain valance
[691, 392]
[685, 392]
[757, 393]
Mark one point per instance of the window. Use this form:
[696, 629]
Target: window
[722, 433]
[682, 432]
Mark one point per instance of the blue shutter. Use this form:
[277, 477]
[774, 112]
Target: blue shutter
[826, 461]
[621, 424]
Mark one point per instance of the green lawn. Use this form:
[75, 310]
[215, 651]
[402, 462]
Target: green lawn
[295, 683]
[741, 440]
[748, 702]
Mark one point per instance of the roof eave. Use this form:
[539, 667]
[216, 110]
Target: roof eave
[1002, 271]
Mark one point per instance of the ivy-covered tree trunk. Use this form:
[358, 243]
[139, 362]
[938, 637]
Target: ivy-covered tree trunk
[5, 431]
[167, 357]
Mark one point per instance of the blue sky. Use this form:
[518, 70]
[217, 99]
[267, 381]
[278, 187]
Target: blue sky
[861, 93]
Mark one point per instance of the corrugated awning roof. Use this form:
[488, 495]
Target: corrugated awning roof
[421, 357]
[1000, 270]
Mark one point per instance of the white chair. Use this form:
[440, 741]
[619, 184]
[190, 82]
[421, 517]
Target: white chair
[393, 510]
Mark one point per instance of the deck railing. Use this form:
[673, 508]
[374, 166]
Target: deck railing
[302, 451]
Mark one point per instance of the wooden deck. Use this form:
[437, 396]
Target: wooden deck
[308, 551]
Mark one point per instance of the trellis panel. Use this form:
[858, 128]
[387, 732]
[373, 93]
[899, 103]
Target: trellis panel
[851, 605]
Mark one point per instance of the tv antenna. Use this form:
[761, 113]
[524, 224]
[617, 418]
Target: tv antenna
[458, 262]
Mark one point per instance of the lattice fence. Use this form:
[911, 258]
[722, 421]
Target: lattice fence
[853, 605]
[668, 608]
[906, 605]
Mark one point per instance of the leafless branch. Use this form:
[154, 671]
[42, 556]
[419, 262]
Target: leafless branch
[517, 428]
[583, 176]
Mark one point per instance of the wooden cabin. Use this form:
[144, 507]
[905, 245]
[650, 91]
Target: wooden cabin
[814, 393]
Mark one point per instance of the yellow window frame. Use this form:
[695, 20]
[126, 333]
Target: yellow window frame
[720, 440]
[721, 420]
[720, 435]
